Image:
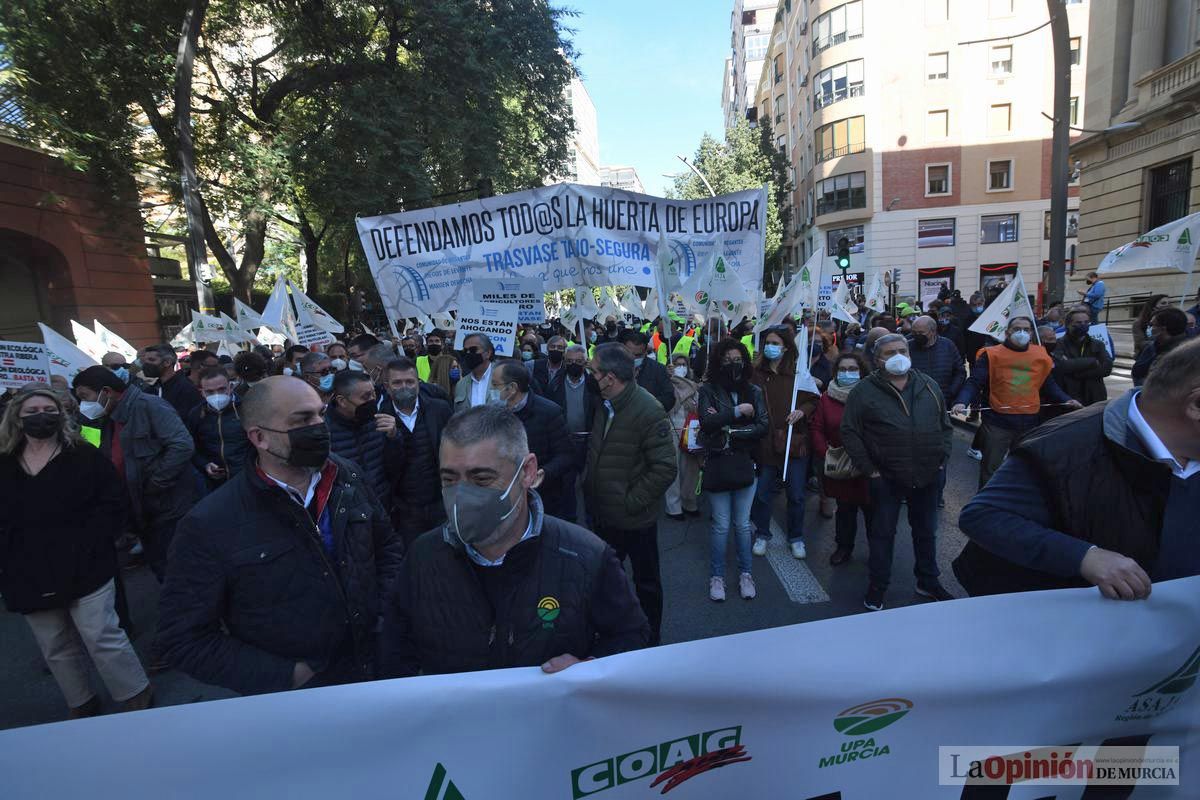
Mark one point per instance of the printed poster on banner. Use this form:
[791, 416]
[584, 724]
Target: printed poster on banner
[1024, 669]
[564, 235]
[499, 322]
[22, 363]
[524, 292]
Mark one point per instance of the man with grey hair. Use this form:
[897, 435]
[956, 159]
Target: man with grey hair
[1107, 496]
[317, 370]
[549, 369]
[896, 432]
[476, 360]
[502, 584]
[160, 378]
[630, 465]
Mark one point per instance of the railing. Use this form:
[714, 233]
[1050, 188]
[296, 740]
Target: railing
[853, 90]
[823, 44]
[838, 152]
[1187, 71]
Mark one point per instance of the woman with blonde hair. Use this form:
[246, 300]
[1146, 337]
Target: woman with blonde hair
[64, 504]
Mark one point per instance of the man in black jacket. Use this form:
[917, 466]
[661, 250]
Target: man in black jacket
[216, 428]
[160, 378]
[420, 417]
[276, 579]
[1081, 362]
[547, 370]
[651, 375]
[578, 397]
[897, 433]
[502, 584]
[361, 433]
[545, 430]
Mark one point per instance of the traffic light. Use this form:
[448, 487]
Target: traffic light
[843, 256]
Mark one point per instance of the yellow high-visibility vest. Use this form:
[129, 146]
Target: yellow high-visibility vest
[423, 368]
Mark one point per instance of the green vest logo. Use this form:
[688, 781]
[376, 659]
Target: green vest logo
[861, 721]
[440, 788]
[547, 611]
[1164, 695]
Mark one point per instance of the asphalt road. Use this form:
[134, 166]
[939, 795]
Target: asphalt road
[789, 592]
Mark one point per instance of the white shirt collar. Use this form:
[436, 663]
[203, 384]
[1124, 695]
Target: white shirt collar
[1157, 450]
[479, 387]
[409, 420]
[292, 493]
[483, 562]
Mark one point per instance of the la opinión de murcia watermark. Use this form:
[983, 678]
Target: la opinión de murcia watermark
[1069, 765]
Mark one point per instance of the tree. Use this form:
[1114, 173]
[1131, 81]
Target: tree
[747, 159]
[304, 112]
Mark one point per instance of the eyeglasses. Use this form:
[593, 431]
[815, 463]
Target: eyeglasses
[330, 370]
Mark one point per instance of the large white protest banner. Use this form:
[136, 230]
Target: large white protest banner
[565, 235]
[523, 292]
[22, 363]
[498, 321]
[1012, 302]
[66, 359]
[1170, 246]
[706, 720]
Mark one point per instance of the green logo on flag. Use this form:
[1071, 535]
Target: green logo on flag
[1185, 237]
[440, 788]
[873, 716]
[1164, 695]
[720, 265]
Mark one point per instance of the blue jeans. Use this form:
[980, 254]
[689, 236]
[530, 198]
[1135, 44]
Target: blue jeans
[881, 534]
[764, 499]
[730, 508]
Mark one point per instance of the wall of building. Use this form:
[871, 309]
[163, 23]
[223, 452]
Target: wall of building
[585, 144]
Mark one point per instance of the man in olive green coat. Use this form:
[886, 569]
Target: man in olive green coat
[631, 463]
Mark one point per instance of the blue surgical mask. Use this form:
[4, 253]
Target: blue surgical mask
[526, 355]
[773, 352]
[847, 378]
[122, 373]
[455, 373]
[637, 362]
[978, 309]
[326, 383]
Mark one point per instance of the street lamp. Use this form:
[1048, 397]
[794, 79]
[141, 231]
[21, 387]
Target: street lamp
[699, 174]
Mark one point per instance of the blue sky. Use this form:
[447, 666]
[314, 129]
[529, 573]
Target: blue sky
[654, 70]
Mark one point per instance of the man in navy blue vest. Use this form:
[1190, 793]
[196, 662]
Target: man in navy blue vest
[1107, 496]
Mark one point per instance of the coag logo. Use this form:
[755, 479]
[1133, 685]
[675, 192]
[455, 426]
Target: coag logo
[1164, 695]
[547, 611]
[673, 763]
[870, 717]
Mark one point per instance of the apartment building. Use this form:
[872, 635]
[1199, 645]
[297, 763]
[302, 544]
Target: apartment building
[917, 131]
[1143, 133]
[749, 37]
[622, 178]
[585, 142]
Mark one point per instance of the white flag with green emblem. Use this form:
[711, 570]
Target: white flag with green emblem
[1170, 246]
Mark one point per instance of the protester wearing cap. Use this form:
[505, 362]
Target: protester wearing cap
[160, 378]
[276, 579]
[216, 429]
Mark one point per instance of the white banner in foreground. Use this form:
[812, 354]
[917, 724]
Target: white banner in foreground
[853, 708]
[564, 235]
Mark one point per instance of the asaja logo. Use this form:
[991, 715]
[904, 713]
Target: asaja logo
[861, 721]
[547, 611]
[1164, 695]
[873, 716]
[440, 788]
[1185, 237]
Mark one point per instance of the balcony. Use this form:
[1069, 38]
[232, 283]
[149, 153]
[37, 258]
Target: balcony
[1182, 74]
[837, 152]
[821, 45]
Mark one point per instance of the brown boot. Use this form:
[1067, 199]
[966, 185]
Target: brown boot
[142, 700]
[89, 709]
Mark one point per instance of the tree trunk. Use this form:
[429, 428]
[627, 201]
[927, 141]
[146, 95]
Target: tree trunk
[312, 252]
[184, 61]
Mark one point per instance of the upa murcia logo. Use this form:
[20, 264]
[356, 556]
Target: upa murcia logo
[673, 762]
[547, 611]
[1164, 695]
[862, 720]
[441, 788]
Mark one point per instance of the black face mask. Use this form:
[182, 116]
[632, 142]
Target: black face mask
[364, 413]
[434, 349]
[611, 327]
[152, 370]
[731, 373]
[574, 371]
[921, 339]
[410, 353]
[470, 360]
[555, 356]
[1079, 331]
[42, 425]
[308, 447]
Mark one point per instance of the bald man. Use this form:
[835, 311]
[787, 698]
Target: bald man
[937, 357]
[276, 579]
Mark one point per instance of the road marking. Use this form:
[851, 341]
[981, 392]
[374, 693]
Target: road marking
[797, 579]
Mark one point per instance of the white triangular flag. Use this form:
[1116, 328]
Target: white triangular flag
[585, 302]
[88, 341]
[1012, 302]
[844, 308]
[247, 318]
[1170, 246]
[65, 358]
[805, 382]
[207, 328]
[666, 278]
[270, 337]
[793, 296]
[630, 304]
[877, 294]
[235, 332]
[183, 339]
[279, 314]
[309, 313]
[113, 342]
[223, 350]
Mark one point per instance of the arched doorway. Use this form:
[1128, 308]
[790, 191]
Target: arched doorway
[27, 268]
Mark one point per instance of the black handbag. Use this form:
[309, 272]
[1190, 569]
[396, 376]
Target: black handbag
[727, 470]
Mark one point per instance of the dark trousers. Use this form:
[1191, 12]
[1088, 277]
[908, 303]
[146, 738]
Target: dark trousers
[156, 543]
[886, 498]
[641, 545]
[995, 442]
[845, 523]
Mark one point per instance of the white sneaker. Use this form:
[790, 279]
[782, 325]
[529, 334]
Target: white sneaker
[746, 584]
[716, 589]
[798, 550]
[975, 454]
[760, 546]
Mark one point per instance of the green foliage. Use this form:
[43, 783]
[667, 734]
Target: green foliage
[747, 159]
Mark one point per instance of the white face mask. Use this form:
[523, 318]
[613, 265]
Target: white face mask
[288, 371]
[898, 364]
[217, 402]
[355, 365]
[339, 364]
[91, 409]
[1020, 338]
[680, 372]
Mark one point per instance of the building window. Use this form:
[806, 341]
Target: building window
[749, 17]
[780, 108]
[1076, 50]
[937, 66]
[937, 180]
[756, 46]
[1168, 187]
[840, 138]
[937, 124]
[836, 26]
[998, 228]
[778, 69]
[854, 233]
[1000, 8]
[935, 232]
[781, 141]
[837, 83]
[1074, 110]
[1000, 175]
[842, 193]
[1072, 225]
[1000, 119]
[1001, 60]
